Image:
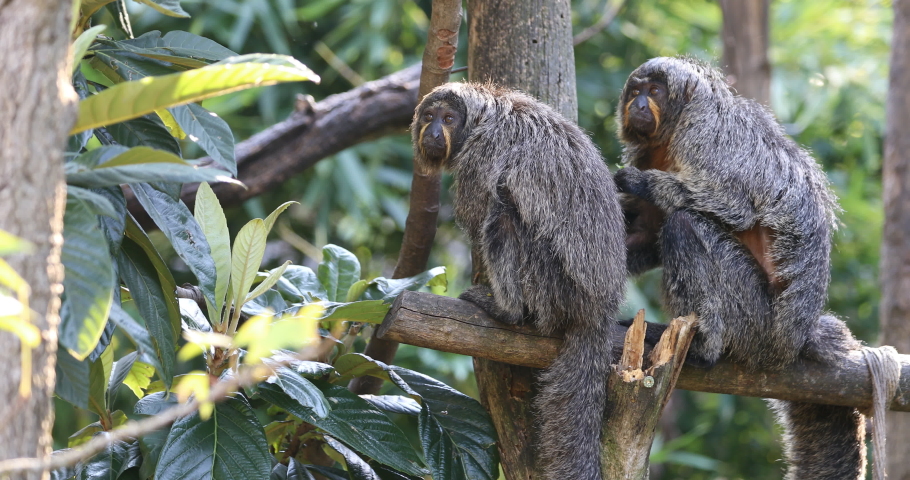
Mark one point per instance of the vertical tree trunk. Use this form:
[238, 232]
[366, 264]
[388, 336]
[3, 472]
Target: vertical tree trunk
[526, 45]
[36, 112]
[895, 254]
[745, 37]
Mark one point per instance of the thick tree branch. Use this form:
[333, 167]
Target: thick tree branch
[456, 326]
[315, 131]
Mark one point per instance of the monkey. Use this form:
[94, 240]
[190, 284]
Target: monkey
[745, 220]
[536, 199]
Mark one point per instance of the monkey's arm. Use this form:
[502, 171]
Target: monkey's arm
[643, 223]
[719, 196]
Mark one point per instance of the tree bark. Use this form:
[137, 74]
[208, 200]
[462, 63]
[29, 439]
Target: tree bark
[895, 253]
[526, 45]
[452, 325]
[420, 227]
[36, 112]
[745, 37]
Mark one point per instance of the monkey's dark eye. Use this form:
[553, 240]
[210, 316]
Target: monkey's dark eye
[448, 119]
[655, 90]
[635, 92]
[428, 116]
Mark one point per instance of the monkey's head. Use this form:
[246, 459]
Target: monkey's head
[656, 94]
[438, 130]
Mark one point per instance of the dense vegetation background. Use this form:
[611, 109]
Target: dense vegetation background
[829, 78]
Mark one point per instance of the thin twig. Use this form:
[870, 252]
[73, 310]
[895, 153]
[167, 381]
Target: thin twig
[611, 8]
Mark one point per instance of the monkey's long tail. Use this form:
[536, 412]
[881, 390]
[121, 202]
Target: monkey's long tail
[571, 402]
[822, 441]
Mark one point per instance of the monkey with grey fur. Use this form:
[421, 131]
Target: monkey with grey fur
[745, 219]
[534, 196]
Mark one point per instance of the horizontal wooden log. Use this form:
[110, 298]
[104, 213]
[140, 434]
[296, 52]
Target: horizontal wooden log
[452, 325]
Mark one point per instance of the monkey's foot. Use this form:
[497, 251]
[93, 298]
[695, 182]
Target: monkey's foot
[482, 296]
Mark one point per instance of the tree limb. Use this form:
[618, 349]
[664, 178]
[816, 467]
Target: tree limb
[456, 326]
[317, 130]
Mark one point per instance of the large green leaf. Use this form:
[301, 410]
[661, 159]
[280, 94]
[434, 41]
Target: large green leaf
[99, 373]
[111, 462]
[119, 373]
[168, 285]
[88, 284]
[81, 44]
[356, 423]
[142, 164]
[209, 131]
[141, 97]
[268, 282]
[229, 446]
[210, 216]
[185, 234]
[151, 444]
[72, 379]
[249, 247]
[145, 131]
[138, 335]
[368, 311]
[357, 467]
[152, 300]
[300, 284]
[186, 44]
[297, 388]
[387, 289]
[338, 271]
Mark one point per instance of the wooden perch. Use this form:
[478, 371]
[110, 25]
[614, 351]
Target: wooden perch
[456, 326]
[637, 396]
[315, 131]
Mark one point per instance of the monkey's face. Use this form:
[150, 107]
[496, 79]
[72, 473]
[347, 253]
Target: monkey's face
[439, 128]
[643, 102]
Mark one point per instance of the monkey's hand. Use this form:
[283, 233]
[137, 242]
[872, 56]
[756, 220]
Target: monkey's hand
[482, 296]
[634, 182]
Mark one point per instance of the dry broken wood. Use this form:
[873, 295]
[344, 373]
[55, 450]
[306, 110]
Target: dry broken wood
[638, 394]
[456, 326]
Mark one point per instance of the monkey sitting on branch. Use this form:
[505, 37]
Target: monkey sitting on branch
[745, 218]
[537, 201]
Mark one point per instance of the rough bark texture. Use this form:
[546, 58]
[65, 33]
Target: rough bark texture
[638, 396]
[420, 227]
[36, 112]
[525, 45]
[315, 131]
[895, 254]
[452, 325]
[745, 36]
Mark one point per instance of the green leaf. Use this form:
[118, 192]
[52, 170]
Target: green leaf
[270, 220]
[150, 445]
[356, 290]
[268, 282]
[269, 303]
[359, 425]
[88, 7]
[211, 220]
[249, 247]
[186, 44]
[192, 316]
[145, 131]
[97, 204]
[81, 44]
[388, 289]
[357, 467]
[300, 284]
[338, 271]
[88, 282]
[299, 389]
[85, 434]
[230, 445]
[141, 97]
[368, 311]
[209, 131]
[168, 285]
[139, 378]
[119, 373]
[394, 404]
[152, 301]
[296, 471]
[186, 236]
[99, 372]
[139, 336]
[143, 164]
[109, 463]
[72, 379]
[170, 8]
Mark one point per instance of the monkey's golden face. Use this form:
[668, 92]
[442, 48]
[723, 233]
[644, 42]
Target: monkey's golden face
[643, 103]
[440, 129]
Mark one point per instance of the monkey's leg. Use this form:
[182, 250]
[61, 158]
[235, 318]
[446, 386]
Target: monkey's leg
[501, 248]
[708, 272]
[822, 442]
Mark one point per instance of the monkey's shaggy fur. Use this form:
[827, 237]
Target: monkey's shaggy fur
[533, 193]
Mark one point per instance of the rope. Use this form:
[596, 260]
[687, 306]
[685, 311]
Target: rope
[885, 371]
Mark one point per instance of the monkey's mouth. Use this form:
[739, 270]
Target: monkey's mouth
[642, 121]
[434, 150]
